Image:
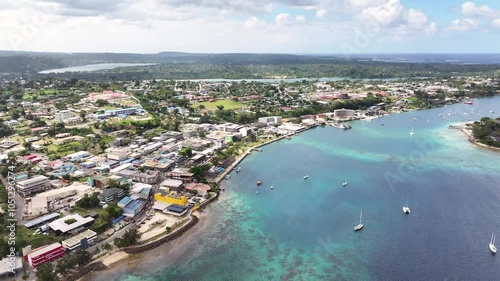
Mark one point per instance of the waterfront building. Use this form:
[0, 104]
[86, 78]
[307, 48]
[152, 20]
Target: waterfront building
[80, 241]
[343, 113]
[43, 254]
[171, 197]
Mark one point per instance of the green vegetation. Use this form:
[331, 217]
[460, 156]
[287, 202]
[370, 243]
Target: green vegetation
[129, 238]
[186, 152]
[46, 272]
[199, 172]
[227, 104]
[70, 262]
[487, 131]
[88, 202]
[69, 221]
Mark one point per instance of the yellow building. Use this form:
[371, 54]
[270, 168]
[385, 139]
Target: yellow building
[171, 198]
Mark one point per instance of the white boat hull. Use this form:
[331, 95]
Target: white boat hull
[358, 227]
[493, 249]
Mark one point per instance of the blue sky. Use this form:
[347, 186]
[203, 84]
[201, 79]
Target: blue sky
[261, 26]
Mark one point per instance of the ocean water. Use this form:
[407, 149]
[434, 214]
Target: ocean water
[303, 229]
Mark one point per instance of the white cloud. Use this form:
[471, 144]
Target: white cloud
[254, 22]
[389, 13]
[416, 18]
[470, 9]
[321, 13]
[300, 18]
[496, 23]
[283, 18]
[362, 4]
[463, 25]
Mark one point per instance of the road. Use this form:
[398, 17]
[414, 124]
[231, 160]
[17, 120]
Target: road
[19, 203]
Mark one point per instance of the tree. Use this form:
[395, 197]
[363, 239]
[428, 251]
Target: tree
[220, 107]
[45, 272]
[15, 115]
[186, 152]
[199, 172]
[28, 145]
[130, 237]
[101, 103]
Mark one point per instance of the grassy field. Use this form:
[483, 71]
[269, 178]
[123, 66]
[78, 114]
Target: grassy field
[228, 104]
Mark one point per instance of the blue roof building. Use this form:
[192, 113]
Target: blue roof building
[133, 208]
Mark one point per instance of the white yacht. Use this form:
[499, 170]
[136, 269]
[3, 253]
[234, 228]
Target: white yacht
[306, 177]
[493, 248]
[406, 209]
[345, 182]
[360, 225]
[412, 133]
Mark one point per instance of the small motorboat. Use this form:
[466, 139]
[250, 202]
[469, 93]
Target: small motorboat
[272, 187]
[306, 177]
[238, 169]
[259, 183]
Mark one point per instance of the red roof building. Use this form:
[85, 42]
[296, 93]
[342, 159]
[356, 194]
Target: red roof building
[44, 254]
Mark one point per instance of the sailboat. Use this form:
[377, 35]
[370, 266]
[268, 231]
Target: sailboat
[412, 133]
[360, 225]
[493, 248]
[345, 182]
[406, 209]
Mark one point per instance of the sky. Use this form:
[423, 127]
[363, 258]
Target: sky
[251, 26]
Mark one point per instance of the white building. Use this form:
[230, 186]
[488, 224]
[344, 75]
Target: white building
[272, 120]
[78, 156]
[33, 185]
[63, 115]
[62, 227]
[75, 242]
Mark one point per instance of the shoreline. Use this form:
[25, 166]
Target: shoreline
[238, 160]
[472, 140]
[119, 263]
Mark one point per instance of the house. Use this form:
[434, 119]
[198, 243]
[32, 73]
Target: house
[200, 188]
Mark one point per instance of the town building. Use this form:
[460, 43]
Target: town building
[63, 115]
[271, 120]
[80, 241]
[343, 113]
[41, 220]
[77, 156]
[133, 208]
[61, 226]
[33, 185]
[43, 254]
[171, 197]
[149, 177]
[10, 266]
[111, 195]
[200, 188]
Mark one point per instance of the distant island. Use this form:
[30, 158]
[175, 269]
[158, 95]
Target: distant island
[487, 131]
[178, 66]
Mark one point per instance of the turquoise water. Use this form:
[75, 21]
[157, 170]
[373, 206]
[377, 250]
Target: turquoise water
[302, 229]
